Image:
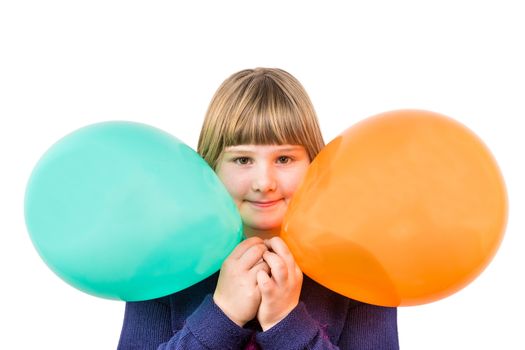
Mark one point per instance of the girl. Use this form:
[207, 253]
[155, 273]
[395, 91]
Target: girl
[260, 134]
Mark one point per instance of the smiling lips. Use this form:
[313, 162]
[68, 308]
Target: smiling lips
[264, 204]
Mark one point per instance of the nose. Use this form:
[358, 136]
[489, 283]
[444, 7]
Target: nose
[264, 179]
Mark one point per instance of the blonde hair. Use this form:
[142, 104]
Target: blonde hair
[259, 106]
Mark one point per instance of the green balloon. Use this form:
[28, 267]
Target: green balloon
[122, 210]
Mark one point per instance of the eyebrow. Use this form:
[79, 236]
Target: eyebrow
[241, 150]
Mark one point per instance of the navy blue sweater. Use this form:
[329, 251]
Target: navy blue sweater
[323, 319]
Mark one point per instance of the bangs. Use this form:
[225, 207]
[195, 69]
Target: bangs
[263, 129]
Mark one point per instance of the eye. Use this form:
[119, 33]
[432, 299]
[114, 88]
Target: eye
[284, 160]
[242, 160]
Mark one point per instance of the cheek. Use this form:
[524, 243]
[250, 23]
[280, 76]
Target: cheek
[235, 186]
[292, 182]
[226, 175]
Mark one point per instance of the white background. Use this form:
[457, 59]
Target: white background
[66, 64]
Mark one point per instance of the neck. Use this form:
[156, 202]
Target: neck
[264, 234]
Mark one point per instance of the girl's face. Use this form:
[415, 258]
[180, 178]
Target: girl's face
[262, 179]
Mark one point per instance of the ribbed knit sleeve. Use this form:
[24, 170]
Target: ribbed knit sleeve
[213, 329]
[325, 320]
[296, 331]
[147, 326]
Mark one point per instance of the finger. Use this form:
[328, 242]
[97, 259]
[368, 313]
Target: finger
[298, 271]
[242, 247]
[260, 266]
[265, 283]
[252, 256]
[278, 268]
[298, 275]
[277, 245]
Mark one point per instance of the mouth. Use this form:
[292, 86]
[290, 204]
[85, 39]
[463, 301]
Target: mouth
[264, 204]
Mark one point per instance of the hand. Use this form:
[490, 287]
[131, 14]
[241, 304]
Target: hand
[237, 294]
[281, 288]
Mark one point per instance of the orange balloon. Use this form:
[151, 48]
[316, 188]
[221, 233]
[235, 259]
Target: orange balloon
[403, 208]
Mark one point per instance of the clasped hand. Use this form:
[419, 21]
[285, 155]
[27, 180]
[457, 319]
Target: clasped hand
[259, 279]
